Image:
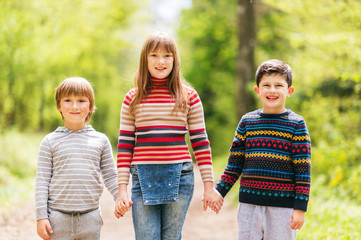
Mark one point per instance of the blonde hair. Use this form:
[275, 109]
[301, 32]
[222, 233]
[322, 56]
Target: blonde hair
[142, 79]
[76, 86]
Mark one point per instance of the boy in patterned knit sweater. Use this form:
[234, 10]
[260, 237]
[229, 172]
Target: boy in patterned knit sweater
[271, 152]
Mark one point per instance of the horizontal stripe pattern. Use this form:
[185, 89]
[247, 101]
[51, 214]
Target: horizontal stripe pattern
[70, 169]
[156, 134]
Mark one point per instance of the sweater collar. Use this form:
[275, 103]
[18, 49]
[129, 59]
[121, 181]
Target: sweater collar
[269, 115]
[159, 82]
[87, 128]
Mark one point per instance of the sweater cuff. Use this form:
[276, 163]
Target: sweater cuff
[222, 190]
[300, 205]
[41, 214]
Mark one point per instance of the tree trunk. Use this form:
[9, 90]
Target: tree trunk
[245, 61]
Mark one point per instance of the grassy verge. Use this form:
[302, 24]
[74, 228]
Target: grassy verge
[17, 166]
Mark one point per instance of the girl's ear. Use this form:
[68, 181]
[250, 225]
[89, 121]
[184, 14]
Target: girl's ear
[290, 91]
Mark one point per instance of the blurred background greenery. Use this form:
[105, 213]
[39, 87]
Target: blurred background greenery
[221, 43]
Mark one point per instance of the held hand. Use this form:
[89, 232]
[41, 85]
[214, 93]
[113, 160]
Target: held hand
[43, 228]
[122, 205]
[212, 198]
[298, 218]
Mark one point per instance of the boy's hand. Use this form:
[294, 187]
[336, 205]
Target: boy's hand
[212, 198]
[122, 205]
[298, 218]
[43, 228]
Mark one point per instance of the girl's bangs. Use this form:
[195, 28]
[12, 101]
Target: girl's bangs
[162, 43]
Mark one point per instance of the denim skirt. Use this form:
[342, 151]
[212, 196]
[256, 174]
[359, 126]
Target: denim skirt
[161, 199]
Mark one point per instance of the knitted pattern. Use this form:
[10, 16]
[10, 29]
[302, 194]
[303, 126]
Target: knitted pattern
[156, 134]
[272, 152]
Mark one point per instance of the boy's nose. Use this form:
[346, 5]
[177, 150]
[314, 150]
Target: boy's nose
[75, 105]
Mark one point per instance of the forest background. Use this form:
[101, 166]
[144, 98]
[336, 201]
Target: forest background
[43, 42]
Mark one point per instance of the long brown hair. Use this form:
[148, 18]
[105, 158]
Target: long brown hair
[142, 81]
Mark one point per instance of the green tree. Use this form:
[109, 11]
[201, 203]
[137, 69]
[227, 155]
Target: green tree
[208, 43]
[43, 42]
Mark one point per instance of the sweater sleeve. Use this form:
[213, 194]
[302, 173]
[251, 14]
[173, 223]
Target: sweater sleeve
[235, 162]
[43, 177]
[108, 170]
[198, 137]
[301, 158]
[126, 140]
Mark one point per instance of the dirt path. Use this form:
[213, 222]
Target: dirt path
[19, 224]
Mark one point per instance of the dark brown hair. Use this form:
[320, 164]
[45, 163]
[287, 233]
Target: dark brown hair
[274, 66]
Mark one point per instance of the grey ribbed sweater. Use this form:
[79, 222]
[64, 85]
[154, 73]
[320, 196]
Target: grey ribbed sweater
[70, 170]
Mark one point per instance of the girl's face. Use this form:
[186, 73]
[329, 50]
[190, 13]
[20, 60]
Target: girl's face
[74, 109]
[160, 63]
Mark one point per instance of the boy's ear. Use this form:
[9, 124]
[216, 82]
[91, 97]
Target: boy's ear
[256, 89]
[290, 91]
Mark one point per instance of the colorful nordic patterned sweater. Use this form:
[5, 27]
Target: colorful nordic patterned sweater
[272, 154]
[156, 134]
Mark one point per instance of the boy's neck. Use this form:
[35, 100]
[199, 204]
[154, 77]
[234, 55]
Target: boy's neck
[74, 127]
[274, 111]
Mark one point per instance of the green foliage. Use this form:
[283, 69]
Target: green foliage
[17, 165]
[208, 43]
[43, 42]
[330, 217]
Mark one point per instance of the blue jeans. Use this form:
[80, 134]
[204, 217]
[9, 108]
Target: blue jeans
[162, 221]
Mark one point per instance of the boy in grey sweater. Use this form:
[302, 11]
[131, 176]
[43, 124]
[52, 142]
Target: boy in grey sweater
[73, 160]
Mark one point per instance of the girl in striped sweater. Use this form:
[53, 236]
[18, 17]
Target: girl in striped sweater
[155, 117]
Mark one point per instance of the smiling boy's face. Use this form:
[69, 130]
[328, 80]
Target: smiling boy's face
[74, 110]
[273, 91]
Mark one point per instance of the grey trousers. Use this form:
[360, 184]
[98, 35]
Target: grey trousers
[264, 223]
[70, 226]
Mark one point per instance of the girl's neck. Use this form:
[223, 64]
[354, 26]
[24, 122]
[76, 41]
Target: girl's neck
[159, 82]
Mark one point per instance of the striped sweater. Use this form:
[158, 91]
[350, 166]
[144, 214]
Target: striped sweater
[272, 153]
[71, 166]
[156, 134]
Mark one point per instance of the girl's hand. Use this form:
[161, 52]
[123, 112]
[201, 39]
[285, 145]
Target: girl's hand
[123, 204]
[212, 198]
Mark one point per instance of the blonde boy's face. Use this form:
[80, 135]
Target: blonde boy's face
[74, 109]
[273, 91]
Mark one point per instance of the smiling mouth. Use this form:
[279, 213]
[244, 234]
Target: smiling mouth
[272, 98]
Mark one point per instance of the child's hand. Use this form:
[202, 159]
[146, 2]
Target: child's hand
[122, 204]
[43, 228]
[298, 218]
[212, 198]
